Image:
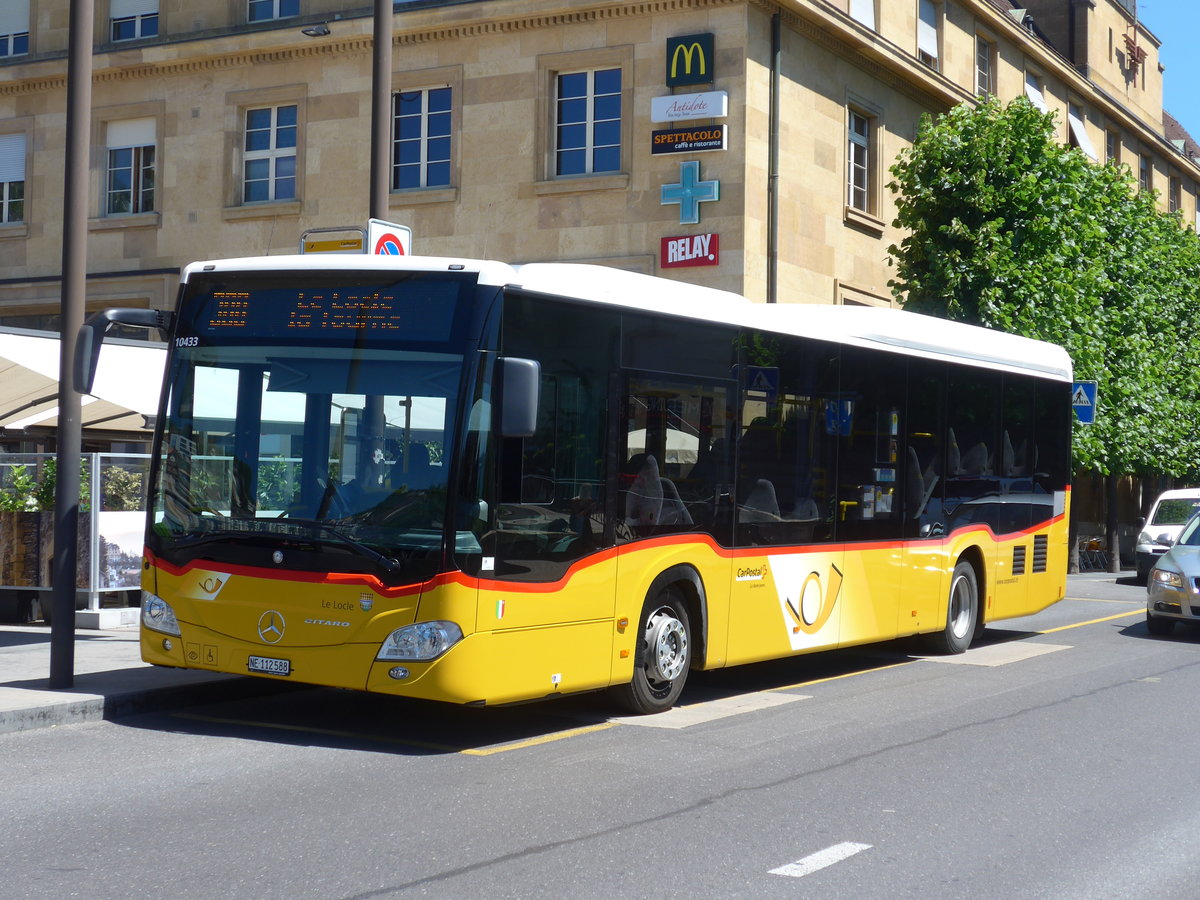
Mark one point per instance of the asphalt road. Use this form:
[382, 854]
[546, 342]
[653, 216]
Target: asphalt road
[1050, 761]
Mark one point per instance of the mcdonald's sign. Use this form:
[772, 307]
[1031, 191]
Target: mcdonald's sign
[690, 59]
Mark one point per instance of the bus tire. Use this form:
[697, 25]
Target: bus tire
[663, 655]
[962, 612]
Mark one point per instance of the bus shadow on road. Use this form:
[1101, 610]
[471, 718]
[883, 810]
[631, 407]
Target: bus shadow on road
[354, 720]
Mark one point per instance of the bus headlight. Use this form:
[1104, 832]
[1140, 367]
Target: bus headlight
[420, 642]
[158, 615]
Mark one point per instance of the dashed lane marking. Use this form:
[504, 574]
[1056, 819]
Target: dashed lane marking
[821, 859]
[699, 713]
[997, 654]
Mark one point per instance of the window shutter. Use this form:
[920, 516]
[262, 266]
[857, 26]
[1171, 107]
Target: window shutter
[14, 16]
[927, 39]
[863, 11]
[130, 133]
[120, 9]
[12, 157]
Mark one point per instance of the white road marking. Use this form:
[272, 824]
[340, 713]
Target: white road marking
[820, 859]
[998, 654]
[698, 713]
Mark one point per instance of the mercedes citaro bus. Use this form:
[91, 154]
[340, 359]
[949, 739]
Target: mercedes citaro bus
[479, 483]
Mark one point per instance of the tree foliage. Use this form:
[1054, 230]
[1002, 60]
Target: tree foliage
[1011, 230]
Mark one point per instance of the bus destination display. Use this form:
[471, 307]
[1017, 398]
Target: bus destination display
[335, 311]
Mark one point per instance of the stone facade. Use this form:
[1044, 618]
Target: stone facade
[195, 79]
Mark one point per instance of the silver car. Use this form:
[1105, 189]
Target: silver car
[1173, 588]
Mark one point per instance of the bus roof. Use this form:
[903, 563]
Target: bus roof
[893, 330]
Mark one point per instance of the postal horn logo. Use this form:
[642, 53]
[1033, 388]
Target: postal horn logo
[689, 60]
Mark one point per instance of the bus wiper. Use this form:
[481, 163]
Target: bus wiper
[389, 563]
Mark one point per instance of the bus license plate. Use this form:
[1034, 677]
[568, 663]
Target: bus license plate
[269, 666]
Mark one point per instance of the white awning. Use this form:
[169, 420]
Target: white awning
[927, 29]
[125, 394]
[1033, 91]
[1079, 130]
[863, 11]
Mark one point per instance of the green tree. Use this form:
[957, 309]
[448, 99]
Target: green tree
[1009, 229]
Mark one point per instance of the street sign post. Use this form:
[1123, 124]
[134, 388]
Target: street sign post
[1083, 401]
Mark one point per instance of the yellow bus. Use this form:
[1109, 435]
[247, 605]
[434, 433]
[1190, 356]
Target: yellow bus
[479, 483]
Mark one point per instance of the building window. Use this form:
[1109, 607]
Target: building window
[265, 10]
[1112, 148]
[1078, 136]
[132, 19]
[129, 187]
[985, 67]
[858, 162]
[421, 138]
[1033, 90]
[587, 122]
[269, 155]
[1175, 194]
[1145, 175]
[14, 28]
[12, 178]
[927, 32]
[863, 11]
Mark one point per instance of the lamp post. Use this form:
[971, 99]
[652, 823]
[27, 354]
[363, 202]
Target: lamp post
[381, 111]
[74, 289]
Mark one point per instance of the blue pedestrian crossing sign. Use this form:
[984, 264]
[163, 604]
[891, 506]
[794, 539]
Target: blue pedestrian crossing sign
[1083, 401]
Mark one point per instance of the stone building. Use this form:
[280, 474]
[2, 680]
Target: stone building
[526, 130]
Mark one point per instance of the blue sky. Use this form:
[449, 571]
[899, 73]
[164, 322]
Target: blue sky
[1177, 24]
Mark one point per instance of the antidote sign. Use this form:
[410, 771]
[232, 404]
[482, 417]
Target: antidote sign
[690, 250]
[689, 140]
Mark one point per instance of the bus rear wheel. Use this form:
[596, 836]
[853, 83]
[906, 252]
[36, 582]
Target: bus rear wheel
[662, 658]
[962, 612]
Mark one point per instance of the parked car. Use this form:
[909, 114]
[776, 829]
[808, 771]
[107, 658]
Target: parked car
[1173, 588]
[1162, 527]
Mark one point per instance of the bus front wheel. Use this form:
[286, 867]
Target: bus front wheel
[962, 612]
[663, 655]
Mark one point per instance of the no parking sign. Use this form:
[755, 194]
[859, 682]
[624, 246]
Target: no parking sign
[388, 238]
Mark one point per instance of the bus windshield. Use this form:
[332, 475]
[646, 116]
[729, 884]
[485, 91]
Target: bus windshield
[312, 414]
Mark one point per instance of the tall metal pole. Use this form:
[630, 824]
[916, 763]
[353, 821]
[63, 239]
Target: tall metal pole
[74, 288]
[381, 112]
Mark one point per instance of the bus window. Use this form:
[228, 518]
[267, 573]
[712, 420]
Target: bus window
[870, 407]
[786, 453]
[923, 462]
[550, 508]
[972, 436]
[674, 459]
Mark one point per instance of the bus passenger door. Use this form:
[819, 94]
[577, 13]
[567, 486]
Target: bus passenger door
[922, 478]
[868, 415]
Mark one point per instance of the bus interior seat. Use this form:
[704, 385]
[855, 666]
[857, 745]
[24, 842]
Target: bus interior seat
[644, 500]
[674, 512]
[761, 504]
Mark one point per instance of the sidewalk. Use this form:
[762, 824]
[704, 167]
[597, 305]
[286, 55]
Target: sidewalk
[110, 679]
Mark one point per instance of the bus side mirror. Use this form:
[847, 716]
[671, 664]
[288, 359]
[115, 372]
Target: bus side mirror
[520, 386]
[91, 336]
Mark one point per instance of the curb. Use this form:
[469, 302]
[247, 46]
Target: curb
[72, 709]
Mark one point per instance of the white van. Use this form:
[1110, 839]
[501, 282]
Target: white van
[1161, 528]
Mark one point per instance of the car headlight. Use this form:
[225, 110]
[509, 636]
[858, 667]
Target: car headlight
[420, 642]
[1145, 538]
[1167, 578]
[158, 615]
